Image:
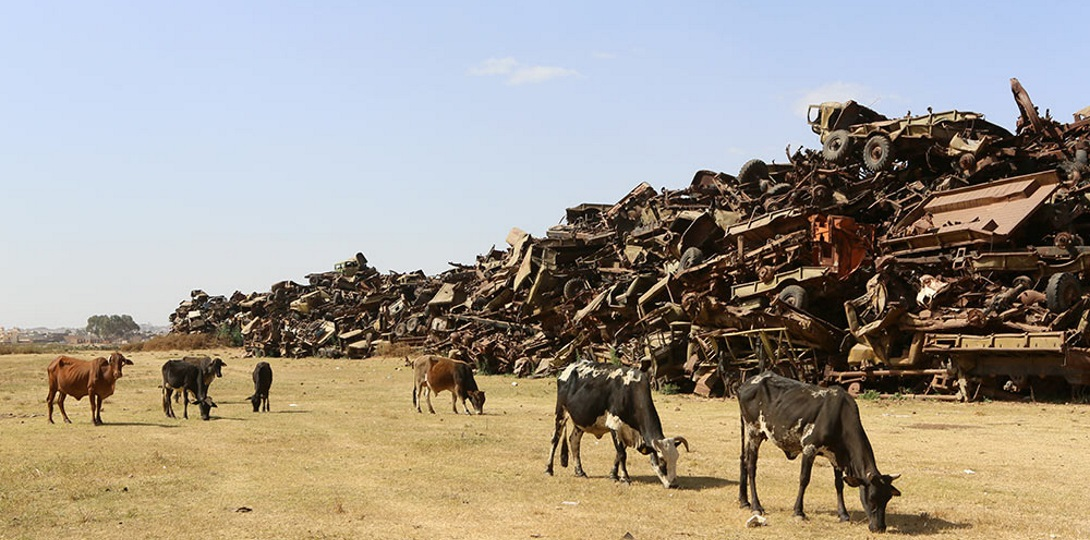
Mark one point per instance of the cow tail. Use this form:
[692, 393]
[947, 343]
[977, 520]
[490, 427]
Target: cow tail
[564, 447]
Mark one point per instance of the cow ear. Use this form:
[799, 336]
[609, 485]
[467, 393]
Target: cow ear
[852, 481]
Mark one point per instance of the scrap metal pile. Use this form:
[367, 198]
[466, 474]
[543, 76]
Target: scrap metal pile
[935, 254]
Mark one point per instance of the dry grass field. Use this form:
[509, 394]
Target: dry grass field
[343, 455]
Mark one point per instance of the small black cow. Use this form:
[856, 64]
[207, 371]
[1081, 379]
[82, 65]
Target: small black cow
[807, 420]
[185, 377]
[262, 382]
[211, 369]
[600, 399]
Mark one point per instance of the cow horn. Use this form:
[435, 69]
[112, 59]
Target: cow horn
[893, 477]
[681, 440]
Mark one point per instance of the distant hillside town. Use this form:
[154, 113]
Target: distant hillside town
[69, 336]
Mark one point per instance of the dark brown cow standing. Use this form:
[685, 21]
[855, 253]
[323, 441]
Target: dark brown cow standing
[434, 374]
[77, 378]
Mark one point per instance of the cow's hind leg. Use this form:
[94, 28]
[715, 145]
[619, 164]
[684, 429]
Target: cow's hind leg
[743, 483]
[60, 405]
[168, 409]
[573, 441]
[807, 466]
[558, 433]
[427, 397]
[838, 483]
[620, 468]
[49, 402]
[751, 444]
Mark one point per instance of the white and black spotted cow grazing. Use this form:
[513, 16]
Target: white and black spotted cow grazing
[807, 420]
[602, 399]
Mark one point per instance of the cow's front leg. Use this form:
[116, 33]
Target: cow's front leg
[838, 483]
[95, 414]
[807, 467]
[573, 441]
[619, 460]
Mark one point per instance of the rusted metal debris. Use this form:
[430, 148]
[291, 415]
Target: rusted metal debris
[935, 254]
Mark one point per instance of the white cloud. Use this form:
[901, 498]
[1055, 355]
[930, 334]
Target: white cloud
[516, 73]
[495, 66]
[841, 91]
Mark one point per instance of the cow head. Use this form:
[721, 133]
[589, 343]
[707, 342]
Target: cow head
[255, 400]
[217, 366]
[117, 361]
[664, 456]
[476, 397]
[206, 405]
[875, 493]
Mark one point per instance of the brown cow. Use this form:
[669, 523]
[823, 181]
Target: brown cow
[78, 378]
[434, 374]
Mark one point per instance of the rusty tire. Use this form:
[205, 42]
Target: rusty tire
[837, 146]
[878, 153]
[967, 163]
[794, 296]
[690, 258]
[1062, 291]
[752, 172]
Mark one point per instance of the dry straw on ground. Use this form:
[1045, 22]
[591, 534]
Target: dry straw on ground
[343, 455]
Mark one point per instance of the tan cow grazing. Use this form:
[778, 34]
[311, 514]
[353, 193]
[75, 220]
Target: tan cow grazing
[433, 374]
[78, 378]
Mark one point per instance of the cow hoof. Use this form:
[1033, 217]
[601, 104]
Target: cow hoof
[67, 421]
[844, 518]
[580, 474]
[801, 517]
[549, 471]
[743, 504]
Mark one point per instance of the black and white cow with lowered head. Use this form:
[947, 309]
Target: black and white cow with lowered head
[600, 399]
[807, 420]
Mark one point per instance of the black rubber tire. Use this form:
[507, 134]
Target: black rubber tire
[1072, 171]
[777, 189]
[690, 258]
[1062, 291]
[837, 146]
[878, 153]
[795, 296]
[752, 172]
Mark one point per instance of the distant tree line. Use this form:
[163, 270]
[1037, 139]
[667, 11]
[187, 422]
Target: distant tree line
[112, 326]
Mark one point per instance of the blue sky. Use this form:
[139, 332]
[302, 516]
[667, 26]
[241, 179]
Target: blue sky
[150, 148]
